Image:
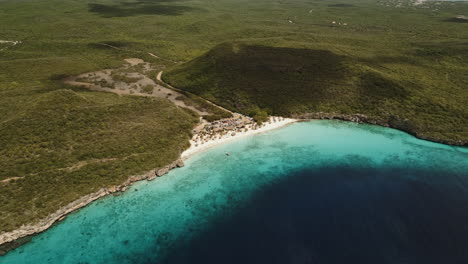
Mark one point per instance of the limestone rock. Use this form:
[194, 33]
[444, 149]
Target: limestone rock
[180, 163]
[61, 213]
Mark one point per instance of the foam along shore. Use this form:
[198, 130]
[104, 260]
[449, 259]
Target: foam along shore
[198, 144]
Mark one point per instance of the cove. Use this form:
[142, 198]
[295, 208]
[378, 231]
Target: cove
[311, 192]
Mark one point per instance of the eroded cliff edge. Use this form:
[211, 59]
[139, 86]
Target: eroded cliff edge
[44, 224]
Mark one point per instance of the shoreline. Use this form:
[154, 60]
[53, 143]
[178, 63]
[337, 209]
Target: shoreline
[8, 239]
[395, 123]
[25, 231]
[218, 140]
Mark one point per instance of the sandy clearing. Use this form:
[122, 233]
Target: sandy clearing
[136, 83]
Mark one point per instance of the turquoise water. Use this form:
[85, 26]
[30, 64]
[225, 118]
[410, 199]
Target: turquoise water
[312, 192]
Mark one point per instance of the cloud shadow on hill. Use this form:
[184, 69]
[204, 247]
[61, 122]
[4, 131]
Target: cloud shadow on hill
[142, 7]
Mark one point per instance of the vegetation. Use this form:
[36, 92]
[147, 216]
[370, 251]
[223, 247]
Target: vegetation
[201, 105]
[118, 77]
[257, 80]
[190, 99]
[147, 89]
[68, 143]
[62, 142]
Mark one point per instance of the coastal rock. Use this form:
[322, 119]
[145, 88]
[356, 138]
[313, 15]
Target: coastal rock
[44, 224]
[152, 177]
[392, 121]
[164, 170]
[180, 163]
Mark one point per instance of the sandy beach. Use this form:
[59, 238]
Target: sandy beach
[197, 147]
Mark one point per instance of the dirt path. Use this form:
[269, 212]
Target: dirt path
[138, 51]
[159, 78]
[11, 42]
[133, 79]
[7, 180]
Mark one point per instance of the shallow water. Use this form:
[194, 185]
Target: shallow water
[314, 192]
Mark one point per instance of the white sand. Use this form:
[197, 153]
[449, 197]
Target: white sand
[267, 126]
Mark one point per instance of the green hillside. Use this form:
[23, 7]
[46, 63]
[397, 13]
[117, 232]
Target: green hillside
[59, 143]
[252, 79]
[65, 144]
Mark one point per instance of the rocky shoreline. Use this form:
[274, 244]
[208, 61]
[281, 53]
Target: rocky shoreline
[22, 235]
[8, 239]
[392, 122]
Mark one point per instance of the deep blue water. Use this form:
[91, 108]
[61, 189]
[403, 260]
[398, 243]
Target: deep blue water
[316, 192]
[340, 215]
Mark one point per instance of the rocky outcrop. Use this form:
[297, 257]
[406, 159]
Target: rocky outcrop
[164, 170]
[42, 225]
[392, 121]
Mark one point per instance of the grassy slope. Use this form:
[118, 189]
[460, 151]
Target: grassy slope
[68, 142]
[46, 127]
[291, 81]
[406, 67]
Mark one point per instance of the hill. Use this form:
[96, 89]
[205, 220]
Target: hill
[68, 143]
[47, 127]
[254, 79]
